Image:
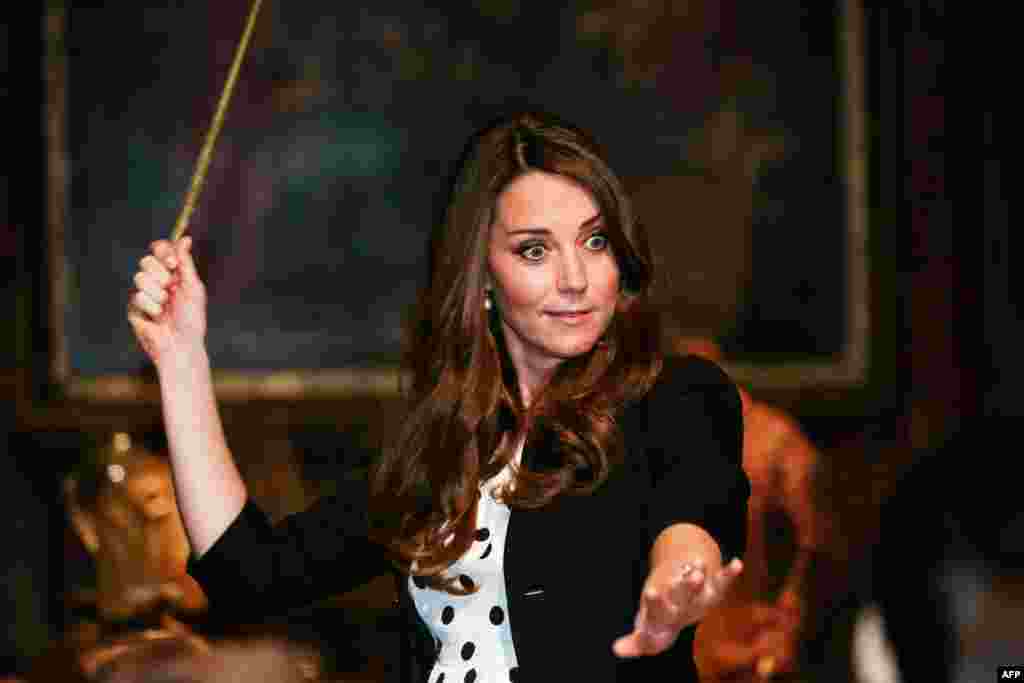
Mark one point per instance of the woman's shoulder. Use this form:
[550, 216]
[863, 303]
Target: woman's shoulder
[693, 376]
[688, 390]
[692, 369]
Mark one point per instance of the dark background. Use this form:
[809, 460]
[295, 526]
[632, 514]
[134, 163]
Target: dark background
[347, 122]
[944, 304]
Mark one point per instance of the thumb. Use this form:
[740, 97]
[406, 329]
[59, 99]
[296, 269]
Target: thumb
[189, 274]
[628, 646]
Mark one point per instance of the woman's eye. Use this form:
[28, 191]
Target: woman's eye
[532, 252]
[596, 242]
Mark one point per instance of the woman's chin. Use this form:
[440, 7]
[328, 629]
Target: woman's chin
[569, 349]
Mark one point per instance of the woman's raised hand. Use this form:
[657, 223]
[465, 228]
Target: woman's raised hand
[167, 309]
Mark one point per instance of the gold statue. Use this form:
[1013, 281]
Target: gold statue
[123, 508]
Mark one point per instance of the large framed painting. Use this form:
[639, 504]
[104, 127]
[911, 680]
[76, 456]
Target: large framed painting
[737, 127]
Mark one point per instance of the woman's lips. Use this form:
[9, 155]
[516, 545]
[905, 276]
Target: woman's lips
[571, 316]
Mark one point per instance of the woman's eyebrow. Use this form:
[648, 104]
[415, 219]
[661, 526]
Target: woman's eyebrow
[528, 231]
[589, 223]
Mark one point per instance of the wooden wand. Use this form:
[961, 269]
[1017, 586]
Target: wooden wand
[203, 162]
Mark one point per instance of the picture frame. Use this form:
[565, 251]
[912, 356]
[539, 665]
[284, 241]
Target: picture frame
[738, 158]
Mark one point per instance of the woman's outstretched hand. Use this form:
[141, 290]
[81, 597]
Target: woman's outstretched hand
[167, 309]
[674, 597]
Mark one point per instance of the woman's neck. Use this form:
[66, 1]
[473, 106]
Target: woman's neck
[533, 370]
[532, 381]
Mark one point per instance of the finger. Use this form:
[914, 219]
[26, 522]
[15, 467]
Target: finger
[660, 608]
[165, 252]
[145, 330]
[628, 646]
[637, 642]
[640, 643]
[712, 584]
[696, 578]
[139, 320]
[702, 590]
[688, 586]
[152, 265]
[148, 283]
[727, 575]
[657, 623]
[183, 249]
[634, 643]
[147, 304]
[734, 568]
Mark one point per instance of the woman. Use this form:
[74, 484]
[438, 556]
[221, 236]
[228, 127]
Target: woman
[538, 388]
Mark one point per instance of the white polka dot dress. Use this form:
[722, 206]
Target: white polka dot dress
[472, 631]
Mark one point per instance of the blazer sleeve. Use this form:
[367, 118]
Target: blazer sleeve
[694, 443]
[255, 569]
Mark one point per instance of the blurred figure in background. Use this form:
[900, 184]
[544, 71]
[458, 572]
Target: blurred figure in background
[169, 655]
[948, 571]
[177, 660]
[756, 633]
[121, 505]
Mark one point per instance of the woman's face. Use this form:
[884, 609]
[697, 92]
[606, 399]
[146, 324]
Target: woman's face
[552, 274]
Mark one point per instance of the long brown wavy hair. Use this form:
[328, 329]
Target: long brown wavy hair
[465, 414]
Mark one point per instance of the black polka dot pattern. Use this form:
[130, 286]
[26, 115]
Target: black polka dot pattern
[477, 648]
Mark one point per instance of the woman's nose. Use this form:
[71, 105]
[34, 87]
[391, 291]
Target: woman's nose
[572, 276]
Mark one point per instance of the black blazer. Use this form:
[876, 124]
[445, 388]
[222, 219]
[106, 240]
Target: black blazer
[573, 569]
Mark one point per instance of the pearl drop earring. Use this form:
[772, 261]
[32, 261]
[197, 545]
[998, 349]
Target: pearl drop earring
[488, 304]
